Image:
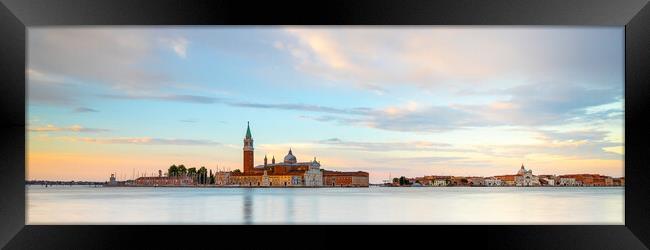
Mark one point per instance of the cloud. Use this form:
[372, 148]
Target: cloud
[84, 110]
[105, 56]
[458, 57]
[170, 97]
[234, 103]
[145, 141]
[373, 59]
[386, 146]
[575, 144]
[73, 128]
[527, 106]
[50, 89]
[301, 107]
[450, 161]
[178, 45]
[575, 135]
[61, 60]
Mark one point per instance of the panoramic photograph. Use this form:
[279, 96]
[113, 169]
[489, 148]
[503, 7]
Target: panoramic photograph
[478, 125]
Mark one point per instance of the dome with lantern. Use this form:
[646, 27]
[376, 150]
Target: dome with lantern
[290, 158]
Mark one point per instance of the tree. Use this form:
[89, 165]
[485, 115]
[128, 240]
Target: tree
[172, 171]
[203, 173]
[211, 177]
[236, 171]
[182, 170]
[191, 172]
[402, 181]
[395, 180]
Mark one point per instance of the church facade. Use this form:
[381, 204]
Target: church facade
[290, 172]
[526, 178]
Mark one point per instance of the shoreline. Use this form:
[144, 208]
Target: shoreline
[111, 186]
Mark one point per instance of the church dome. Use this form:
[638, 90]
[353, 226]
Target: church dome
[290, 158]
[522, 170]
[315, 164]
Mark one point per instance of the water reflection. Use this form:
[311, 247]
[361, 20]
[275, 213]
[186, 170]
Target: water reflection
[248, 206]
[289, 207]
[84, 205]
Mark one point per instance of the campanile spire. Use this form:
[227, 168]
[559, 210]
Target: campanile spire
[248, 130]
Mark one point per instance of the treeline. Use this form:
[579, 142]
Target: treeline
[403, 181]
[200, 176]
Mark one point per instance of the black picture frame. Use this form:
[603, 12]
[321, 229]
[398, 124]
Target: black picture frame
[17, 15]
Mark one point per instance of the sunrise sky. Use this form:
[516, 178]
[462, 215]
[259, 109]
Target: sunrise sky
[407, 101]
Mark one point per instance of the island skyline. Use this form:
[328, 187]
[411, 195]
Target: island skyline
[388, 101]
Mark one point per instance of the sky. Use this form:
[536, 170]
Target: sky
[393, 101]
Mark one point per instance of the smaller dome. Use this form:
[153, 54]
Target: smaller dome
[290, 158]
[315, 164]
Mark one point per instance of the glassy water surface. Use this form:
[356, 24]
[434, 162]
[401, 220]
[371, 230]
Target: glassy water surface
[373, 205]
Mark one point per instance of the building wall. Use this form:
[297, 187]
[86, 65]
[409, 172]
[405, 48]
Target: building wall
[346, 181]
[222, 178]
[491, 182]
[338, 180]
[246, 180]
[568, 181]
[313, 178]
[248, 161]
[550, 181]
[360, 181]
[280, 180]
[476, 181]
[506, 180]
[441, 182]
[164, 181]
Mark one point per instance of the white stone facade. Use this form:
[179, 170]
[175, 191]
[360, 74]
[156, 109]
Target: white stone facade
[440, 182]
[568, 182]
[549, 181]
[526, 178]
[492, 182]
[313, 176]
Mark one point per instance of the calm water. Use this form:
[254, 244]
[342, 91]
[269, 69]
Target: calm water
[374, 205]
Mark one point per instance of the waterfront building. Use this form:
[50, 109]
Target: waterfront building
[618, 181]
[425, 180]
[222, 178]
[345, 179]
[112, 181]
[165, 181]
[568, 181]
[609, 181]
[476, 181]
[459, 181]
[314, 176]
[290, 172]
[547, 180]
[506, 180]
[492, 182]
[266, 181]
[246, 179]
[441, 181]
[526, 178]
[590, 180]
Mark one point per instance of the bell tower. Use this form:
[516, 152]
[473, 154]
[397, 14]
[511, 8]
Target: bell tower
[248, 151]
